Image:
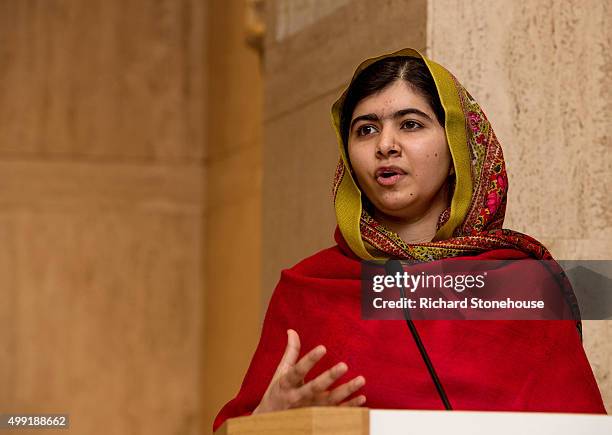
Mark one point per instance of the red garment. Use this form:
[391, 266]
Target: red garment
[483, 365]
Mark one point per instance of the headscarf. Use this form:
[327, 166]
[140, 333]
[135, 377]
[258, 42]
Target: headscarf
[473, 221]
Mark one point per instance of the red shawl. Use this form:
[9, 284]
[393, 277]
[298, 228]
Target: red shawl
[483, 365]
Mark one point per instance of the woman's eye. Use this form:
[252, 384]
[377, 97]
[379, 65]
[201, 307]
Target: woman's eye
[411, 125]
[365, 130]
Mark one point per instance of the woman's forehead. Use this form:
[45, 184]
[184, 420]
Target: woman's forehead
[397, 96]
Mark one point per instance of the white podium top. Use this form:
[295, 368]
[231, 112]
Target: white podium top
[416, 422]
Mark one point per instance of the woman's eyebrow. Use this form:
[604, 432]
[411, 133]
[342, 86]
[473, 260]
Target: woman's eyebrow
[398, 114]
[411, 110]
[368, 117]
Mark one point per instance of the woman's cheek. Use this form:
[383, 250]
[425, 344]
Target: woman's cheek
[360, 167]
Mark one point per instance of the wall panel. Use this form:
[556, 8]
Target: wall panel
[102, 211]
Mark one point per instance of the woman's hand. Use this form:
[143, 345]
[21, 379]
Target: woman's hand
[287, 388]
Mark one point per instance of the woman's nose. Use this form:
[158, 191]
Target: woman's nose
[387, 146]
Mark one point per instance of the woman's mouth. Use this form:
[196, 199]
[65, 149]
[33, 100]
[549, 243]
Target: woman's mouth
[389, 175]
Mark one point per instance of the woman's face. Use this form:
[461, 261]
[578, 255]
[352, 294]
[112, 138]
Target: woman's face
[399, 153]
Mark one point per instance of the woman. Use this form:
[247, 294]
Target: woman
[422, 177]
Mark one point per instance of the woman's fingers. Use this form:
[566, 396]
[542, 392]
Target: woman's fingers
[295, 375]
[355, 401]
[317, 388]
[287, 389]
[345, 390]
[325, 379]
[292, 351]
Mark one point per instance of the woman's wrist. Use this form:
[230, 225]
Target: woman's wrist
[257, 410]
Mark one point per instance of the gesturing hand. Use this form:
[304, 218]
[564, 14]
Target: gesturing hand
[287, 388]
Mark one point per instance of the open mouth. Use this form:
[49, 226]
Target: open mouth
[388, 176]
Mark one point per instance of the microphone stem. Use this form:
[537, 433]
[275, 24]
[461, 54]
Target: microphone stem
[417, 338]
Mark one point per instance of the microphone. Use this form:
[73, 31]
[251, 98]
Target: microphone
[393, 267]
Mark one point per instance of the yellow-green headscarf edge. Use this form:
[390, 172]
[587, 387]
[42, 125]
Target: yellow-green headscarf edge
[347, 202]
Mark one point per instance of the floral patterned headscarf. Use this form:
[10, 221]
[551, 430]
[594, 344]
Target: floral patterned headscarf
[473, 221]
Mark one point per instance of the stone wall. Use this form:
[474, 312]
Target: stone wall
[101, 211]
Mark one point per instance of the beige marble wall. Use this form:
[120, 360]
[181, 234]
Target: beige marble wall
[542, 70]
[101, 212]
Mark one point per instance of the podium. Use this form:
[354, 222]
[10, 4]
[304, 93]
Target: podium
[364, 421]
